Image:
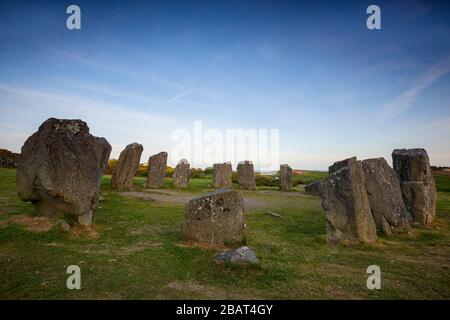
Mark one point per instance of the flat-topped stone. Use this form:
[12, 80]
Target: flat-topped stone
[157, 170]
[215, 218]
[417, 183]
[222, 175]
[285, 177]
[246, 175]
[181, 174]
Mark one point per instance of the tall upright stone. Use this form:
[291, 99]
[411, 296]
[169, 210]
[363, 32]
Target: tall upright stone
[340, 164]
[246, 175]
[60, 170]
[181, 174]
[285, 177]
[157, 170]
[222, 175]
[127, 166]
[385, 196]
[215, 218]
[344, 199]
[417, 183]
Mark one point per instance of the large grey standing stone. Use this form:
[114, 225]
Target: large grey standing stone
[215, 218]
[127, 166]
[314, 188]
[181, 174]
[157, 169]
[285, 177]
[222, 175]
[340, 164]
[60, 170]
[246, 175]
[344, 199]
[417, 183]
[385, 196]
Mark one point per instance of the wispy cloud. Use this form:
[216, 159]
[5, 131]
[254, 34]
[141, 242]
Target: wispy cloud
[179, 96]
[96, 62]
[120, 124]
[403, 102]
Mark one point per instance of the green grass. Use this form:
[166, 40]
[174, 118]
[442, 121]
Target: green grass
[442, 182]
[308, 177]
[138, 253]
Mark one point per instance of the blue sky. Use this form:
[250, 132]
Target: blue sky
[136, 71]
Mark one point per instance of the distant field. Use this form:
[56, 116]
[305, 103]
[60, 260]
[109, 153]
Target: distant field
[442, 182]
[134, 251]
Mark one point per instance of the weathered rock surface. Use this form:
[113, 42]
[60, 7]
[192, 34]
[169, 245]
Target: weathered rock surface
[157, 170]
[241, 255]
[285, 177]
[385, 196]
[181, 174]
[340, 164]
[63, 225]
[127, 166]
[215, 218]
[246, 175]
[222, 175]
[417, 183]
[314, 188]
[60, 170]
[344, 199]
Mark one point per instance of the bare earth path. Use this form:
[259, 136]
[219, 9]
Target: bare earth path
[252, 200]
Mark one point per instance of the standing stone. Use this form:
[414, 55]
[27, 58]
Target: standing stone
[215, 218]
[246, 175]
[344, 199]
[385, 196]
[181, 174]
[60, 170]
[417, 183]
[340, 164]
[285, 177]
[314, 188]
[222, 175]
[157, 170]
[127, 166]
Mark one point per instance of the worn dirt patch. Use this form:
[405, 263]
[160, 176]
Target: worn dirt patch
[35, 224]
[90, 232]
[208, 292]
[138, 247]
[205, 246]
[166, 196]
[260, 200]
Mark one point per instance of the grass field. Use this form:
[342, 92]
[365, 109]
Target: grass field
[135, 252]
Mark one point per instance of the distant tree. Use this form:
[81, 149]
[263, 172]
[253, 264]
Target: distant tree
[266, 180]
[196, 173]
[111, 166]
[9, 155]
[169, 171]
[143, 170]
